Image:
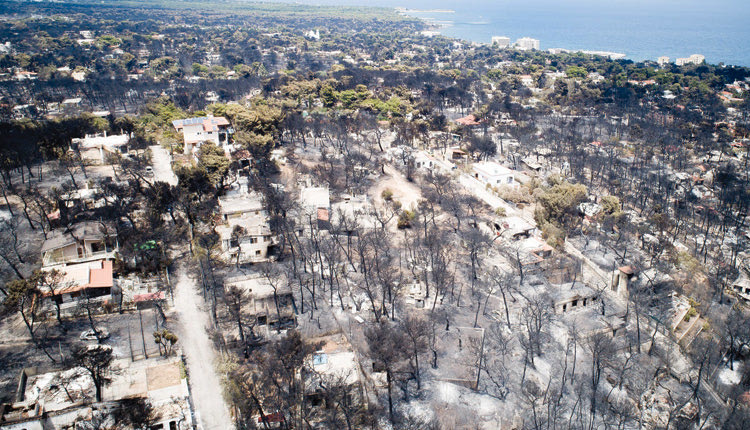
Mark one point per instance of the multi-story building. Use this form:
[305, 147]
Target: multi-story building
[203, 129]
[86, 241]
[245, 234]
[527, 43]
[693, 59]
[501, 41]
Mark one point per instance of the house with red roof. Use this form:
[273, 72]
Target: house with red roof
[214, 129]
[94, 278]
[468, 121]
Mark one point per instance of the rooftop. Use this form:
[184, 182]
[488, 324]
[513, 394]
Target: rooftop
[78, 277]
[209, 123]
[315, 197]
[468, 120]
[256, 285]
[241, 204]
[88, 230]
[336, 359]
[111, 141]
[491, 168]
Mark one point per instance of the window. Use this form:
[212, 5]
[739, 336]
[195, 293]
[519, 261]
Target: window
[253, 240]
[97, 247]
[320, 358]
[257, 252]
[574, 304]
[565, 307]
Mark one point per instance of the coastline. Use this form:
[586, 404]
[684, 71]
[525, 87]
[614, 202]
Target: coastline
[472, 28]
[434, 27]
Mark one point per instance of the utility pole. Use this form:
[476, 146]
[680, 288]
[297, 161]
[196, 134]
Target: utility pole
[143, 337]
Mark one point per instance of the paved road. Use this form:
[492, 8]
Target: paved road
[211, 410]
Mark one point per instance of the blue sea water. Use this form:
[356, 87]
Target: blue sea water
[641, 29]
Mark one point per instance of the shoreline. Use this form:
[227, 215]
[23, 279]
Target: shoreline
[436, 26]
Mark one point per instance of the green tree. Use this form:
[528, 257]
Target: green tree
[214, 162]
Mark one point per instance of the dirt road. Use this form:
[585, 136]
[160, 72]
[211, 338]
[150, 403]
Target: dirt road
[211, 410]
[162, 165]
[205, 385]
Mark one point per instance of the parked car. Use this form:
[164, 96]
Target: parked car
[91, 335]
[149, 171]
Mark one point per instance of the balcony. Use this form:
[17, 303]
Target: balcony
[50, 259]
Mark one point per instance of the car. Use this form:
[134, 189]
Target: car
[91, 335]
[149, 171]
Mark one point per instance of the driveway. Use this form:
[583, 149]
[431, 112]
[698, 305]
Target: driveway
[162, 163]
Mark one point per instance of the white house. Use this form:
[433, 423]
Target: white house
[203, 129]
[245, 234]
[423, 161]
[86, 241]
[94, 148]
[490, 172]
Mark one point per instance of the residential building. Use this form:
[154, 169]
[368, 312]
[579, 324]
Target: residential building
[96, 148]
[741, 286]
[527, 43]
[245, 234]
[86, 241]
[351, 214]
[567, 299]
[315, 203]
[693, 59]
[43, 402]
[334, 364]
[94, 278]
[494, 174]
[269, 306]
[662, 61]
[424, 162]
[454, 154]
[203, 129]
[501, 41]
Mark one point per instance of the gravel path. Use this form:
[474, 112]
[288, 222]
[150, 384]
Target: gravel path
[205, 386]
[162, 165]
[211, 410]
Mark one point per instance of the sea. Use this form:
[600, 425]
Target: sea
[640, 29]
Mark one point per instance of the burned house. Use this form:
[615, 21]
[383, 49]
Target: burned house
[245, 233]
[85, 241]
[570, 298]
[269, 307]
[65, 398]
[333, 365]
[93, 280]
